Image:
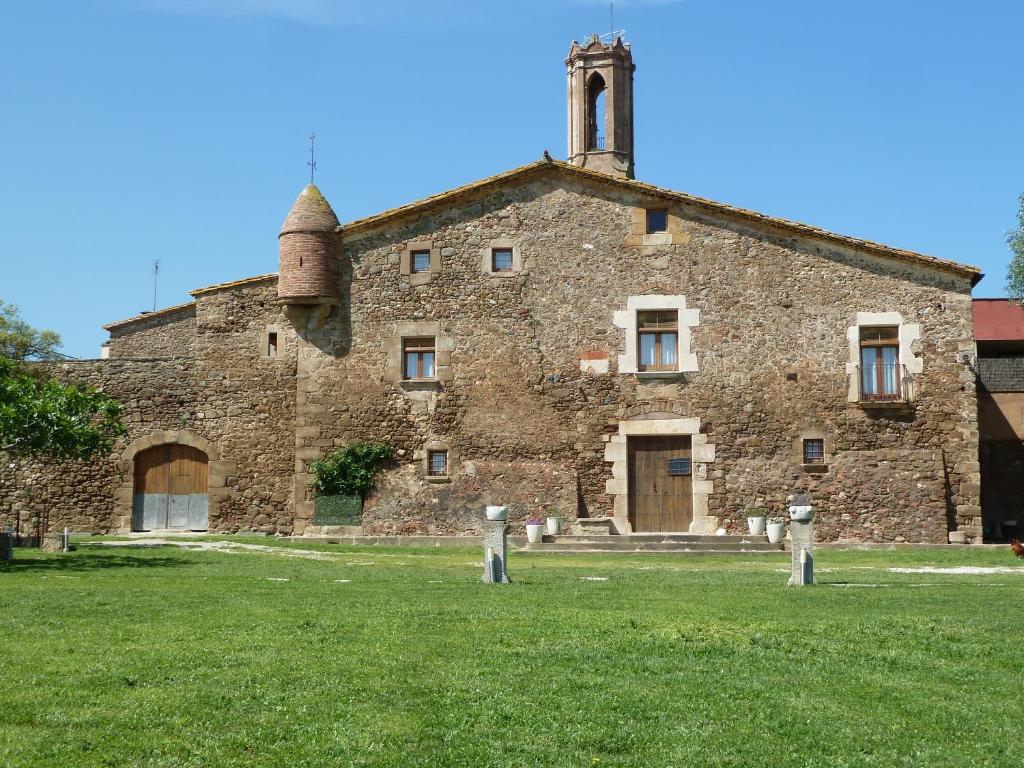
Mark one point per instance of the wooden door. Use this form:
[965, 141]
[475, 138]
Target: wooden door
[170, 489]
[660, 484]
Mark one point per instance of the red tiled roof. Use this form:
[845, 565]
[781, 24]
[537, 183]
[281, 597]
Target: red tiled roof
[998, 320]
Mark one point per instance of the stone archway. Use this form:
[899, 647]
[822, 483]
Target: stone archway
[660, 418]
[217, 473]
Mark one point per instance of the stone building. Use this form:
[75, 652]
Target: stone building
[556, 336]
[999, 332]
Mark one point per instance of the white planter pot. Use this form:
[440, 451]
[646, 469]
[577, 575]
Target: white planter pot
[497, 513]
[756, 526]
[553, 525]
[776, 532]
[535, 533]
[801, 513]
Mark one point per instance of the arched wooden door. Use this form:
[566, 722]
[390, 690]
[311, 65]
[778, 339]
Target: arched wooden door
[170, 489]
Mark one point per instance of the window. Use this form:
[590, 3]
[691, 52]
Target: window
[419, 261]
[418, 358]
[880, 369]
[501, 259]
[658, 334]
[272, 344]
[437, 463]
[657, 220]
[814, 451]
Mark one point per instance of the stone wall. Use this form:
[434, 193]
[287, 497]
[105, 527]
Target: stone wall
[531, 393]
[169, 333]
[225, 394]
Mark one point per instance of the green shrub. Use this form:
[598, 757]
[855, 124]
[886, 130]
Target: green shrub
[349, 471]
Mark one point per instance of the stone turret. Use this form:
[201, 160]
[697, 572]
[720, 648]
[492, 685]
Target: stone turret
[601, 106]
[310, 253]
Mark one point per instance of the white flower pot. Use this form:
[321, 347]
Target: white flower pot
[801, 513]
[497, 513]
[756, 525]
[553, 525]
[776, 532]
[534, 533]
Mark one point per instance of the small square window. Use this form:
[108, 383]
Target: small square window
[657, 220]
[437, 463]
[419, 262]
[501, 259]
[814, 451]
[418, 358]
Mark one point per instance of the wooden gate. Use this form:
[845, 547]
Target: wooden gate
[170, 489]
[660, 483]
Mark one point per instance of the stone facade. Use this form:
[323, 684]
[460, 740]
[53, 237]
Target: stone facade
[530, 396]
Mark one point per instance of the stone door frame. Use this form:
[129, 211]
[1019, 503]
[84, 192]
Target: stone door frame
[650, 425]
[217, 473]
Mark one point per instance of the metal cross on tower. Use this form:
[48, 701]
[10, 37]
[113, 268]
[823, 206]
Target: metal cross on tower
[312, 157]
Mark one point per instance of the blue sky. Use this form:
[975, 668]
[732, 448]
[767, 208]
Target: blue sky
[135, 130]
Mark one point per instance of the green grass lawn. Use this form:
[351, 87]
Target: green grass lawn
[401, 657]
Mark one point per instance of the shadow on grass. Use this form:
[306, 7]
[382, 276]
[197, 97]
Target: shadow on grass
[91, 562]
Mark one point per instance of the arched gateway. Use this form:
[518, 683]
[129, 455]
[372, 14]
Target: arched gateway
[171, 489]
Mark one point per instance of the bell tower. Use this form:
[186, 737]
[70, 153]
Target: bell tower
[601, 106]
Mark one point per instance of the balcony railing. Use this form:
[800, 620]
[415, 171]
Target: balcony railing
[595, 142]
[885, 383]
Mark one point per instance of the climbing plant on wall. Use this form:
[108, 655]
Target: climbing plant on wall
[349, 471]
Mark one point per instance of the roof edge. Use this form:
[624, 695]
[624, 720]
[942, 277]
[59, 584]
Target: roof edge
[148, 316]
[973, 273]
[232, 284]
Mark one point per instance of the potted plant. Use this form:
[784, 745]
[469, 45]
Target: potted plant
[534, 528]
[776, 529]
[341, 480]
[756, 520]
[553, 522]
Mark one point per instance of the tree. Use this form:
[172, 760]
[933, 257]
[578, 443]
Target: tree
[41, 417]
[20, 341]
[1015, 272]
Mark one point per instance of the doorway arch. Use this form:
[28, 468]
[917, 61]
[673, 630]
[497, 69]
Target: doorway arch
[171, 489]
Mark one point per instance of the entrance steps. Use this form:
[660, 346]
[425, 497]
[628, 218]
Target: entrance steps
[638, 543]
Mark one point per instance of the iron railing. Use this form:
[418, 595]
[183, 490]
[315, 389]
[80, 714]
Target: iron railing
[884, 383]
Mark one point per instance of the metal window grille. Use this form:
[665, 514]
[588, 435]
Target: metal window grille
[501, 259]
[814, 451]
[420, 262]
[438, 463]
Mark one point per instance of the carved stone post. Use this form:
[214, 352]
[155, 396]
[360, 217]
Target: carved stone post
[801, 531]
[495, 552]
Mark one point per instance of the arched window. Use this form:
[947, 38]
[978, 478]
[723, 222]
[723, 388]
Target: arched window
[595, 112]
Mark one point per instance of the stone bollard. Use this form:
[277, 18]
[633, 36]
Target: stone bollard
[801, 531]
[7, 545]
[52, 542]
[495, 552]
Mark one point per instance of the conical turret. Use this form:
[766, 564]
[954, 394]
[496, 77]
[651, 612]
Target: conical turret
[309, 246]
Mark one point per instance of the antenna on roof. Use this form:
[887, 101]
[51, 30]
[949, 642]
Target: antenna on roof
[156, 271]
[312, 157]
[609, 37]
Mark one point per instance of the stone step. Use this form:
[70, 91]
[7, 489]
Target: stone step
[681, 538]
[654, 549]
[630, 544]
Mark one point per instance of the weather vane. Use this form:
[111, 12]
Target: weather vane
[312, 157]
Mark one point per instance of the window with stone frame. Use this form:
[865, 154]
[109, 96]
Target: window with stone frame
[657, 220]
[437, 463]
[419, 262]
[501, 260]
[814, 450]
[418, 358]
[880, 369]
[657, 340]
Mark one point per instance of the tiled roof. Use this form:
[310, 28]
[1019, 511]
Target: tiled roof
[1002, 374]
[143, 316]
[419, 207]
[310, 213]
